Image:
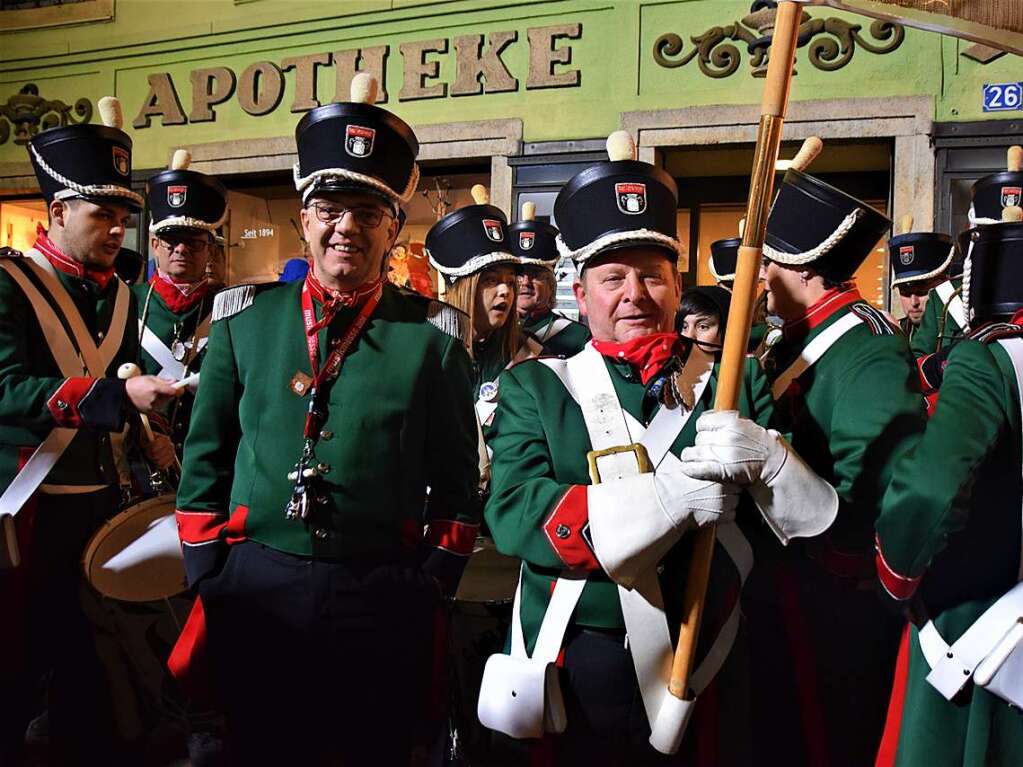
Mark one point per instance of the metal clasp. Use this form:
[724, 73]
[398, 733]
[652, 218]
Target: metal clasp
[642, 459]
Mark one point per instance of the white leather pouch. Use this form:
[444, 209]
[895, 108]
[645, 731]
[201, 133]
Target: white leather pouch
[520, 696]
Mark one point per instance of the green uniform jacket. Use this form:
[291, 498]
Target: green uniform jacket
[949, 532]
[169, 326]
[540, 444]
[823, 672]
[35, 397]
[400, 420]
[567, 342]
[925, 338]
[538, 494]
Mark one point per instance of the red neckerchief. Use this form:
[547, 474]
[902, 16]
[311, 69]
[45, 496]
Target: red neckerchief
[647, 354]
[67, 264]
[335, 300]
[179, 296]
[366, 296]
[833, 300]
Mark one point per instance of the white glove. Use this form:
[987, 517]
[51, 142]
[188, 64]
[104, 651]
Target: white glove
[795, 502]
[635, 521]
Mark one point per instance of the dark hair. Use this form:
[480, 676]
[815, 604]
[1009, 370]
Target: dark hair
[705, 299]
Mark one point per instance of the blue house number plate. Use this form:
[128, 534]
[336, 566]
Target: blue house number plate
[1003, 97]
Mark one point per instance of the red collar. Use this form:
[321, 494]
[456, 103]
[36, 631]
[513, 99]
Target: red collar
[179, 297]
[335, 300]
[833, 300]
[647, 354]
[68, 265]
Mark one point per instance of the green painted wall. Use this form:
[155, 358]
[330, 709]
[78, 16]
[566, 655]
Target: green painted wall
[613, 55]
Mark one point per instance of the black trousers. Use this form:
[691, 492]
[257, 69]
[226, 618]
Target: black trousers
[319, 662]
[59, 667]
[607, 722]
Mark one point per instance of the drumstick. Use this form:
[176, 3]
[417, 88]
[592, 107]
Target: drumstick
[191, 380]
[131, 370]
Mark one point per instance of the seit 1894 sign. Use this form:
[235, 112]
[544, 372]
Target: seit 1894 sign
[259, 88]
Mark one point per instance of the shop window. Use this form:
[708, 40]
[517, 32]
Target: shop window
[264, 229]
[18, 222]
[964, 152]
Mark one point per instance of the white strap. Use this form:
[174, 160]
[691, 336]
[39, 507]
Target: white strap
[554, 327]
[97, 360]
[170, 368]
[813, 351]
[952, 666]
[31, 475]
[587, 380]
[1014, 348]
[63, 351]
[567, 591]
[952, 301]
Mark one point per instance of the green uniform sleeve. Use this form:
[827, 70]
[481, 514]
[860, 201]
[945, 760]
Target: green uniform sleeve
[923, 505]
[878, 415]
[523, 490]
[207, 470]
[759, 403]
[452, 454]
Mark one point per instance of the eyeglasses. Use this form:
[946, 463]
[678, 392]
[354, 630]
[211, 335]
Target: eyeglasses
[366, 217]
[194, 245]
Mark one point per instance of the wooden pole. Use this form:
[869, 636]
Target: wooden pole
[772, 118]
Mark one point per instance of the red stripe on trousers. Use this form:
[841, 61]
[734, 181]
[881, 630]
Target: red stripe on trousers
[889, 748]
[189, 660]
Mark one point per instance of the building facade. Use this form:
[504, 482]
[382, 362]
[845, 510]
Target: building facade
[515, 94]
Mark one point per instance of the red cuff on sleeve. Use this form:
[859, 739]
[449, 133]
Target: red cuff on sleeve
[452, 536]
[65, 402]
[566, 527]
[198, 527]
[900, 587]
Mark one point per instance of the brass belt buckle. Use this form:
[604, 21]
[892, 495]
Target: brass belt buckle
[642, 459]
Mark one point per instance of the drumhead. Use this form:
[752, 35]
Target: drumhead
[489, 577]
[136, 555]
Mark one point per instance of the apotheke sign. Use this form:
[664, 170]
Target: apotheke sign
[478, 68]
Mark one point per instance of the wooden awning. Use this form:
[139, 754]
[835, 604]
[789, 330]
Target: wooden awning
[997, 23]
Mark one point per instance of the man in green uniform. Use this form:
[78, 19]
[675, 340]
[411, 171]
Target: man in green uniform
[949, 535]
[920, 262]
[845, 389]
[66, 325]
[175, 307]
[601, 535]
[534, 243]
[329, 487]
[945, 317]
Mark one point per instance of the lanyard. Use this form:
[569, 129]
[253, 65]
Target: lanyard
[332, 366]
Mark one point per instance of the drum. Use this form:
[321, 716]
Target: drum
[480, 618]
[137, 605]
[136, 555]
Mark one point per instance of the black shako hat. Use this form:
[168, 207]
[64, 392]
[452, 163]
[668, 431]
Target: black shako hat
[533, 242]
[185, 199]
[993, 274]
[917, 256]
[88, 161]
[618, 204]
[724, 257]
[813, 223]
[1004, 189]
[356, 146]
[469, 239]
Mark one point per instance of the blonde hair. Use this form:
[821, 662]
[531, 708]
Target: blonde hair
[461, 294]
